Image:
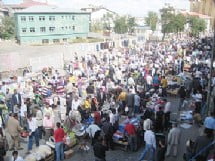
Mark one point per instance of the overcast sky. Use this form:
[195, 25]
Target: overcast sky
[133, 7]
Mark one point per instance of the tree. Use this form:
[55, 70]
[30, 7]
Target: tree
[7, 28]
[121, 25]
[167, 18]
[179, 21]
[131, 24]
[197, 25]
[96, 27]
[151, 20]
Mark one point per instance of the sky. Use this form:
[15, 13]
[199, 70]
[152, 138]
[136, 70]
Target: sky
[132, 7]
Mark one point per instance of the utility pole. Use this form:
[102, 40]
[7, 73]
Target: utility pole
[208, 104]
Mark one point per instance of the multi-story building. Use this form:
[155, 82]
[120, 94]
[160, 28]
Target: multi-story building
[46, 24]
[205, 7]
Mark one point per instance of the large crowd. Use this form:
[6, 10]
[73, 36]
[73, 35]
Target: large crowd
[117, 96]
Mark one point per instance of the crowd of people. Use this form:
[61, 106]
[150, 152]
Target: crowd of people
[107, 87]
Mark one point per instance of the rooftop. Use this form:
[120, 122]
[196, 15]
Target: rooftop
[49, 9]
[195, 14]
[26, 4]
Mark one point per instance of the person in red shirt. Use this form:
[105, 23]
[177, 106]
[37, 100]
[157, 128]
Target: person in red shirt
[59, 135]
[130, 131]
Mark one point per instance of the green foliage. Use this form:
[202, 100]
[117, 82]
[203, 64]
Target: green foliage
[197, 25]
[171, 23]
[7, 28]
[124, 25]
[167, 17]
[151, 20]
[131, 24]
[179, 21]
[121, 26]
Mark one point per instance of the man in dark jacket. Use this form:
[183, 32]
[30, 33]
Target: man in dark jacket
[16, 100]
[100, 149]
[130, 103]
[108, 130]
[182, 94]
[202, 142]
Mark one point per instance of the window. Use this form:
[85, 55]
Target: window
[64, 39]
[51, 29]
[32, 29]
[42, 18]
[69, 27]
[45, 41]
[73, 28]
[51, 18]
[24, 30]
[23, 18]
[73, 17]
[56, 41]
[66, 27]
[31, 18]
[62, 28]
[62, 17]
[42, 29]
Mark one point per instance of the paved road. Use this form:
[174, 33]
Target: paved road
[119, 155]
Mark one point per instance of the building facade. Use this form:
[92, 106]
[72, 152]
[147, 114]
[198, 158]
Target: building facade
[205, 7]
[38, 25]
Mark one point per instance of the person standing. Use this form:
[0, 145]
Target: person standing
[33, 132]
[14, 130]
[100, 149]
[48, 124]
[132, 136]
[2, 145]
[159, 121]
[136, 103]
[16, 100]
[161, 150]
[39, 118]
[164, 85]
[59, 135]
[108, 130]
[173, 140]
[182, 94]
[201, 142]
[167, 111]
[150, 146]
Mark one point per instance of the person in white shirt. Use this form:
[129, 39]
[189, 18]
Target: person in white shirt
[16, 157]
[75, 103]
[148, 81]
[23, 115]
[150, 146]
[93, 131]
[33, 132]
[131, 81]
[39, 118]
[147, 124]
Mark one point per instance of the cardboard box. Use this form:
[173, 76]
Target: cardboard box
[68, 154]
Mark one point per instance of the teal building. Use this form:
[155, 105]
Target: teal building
[49, 25]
